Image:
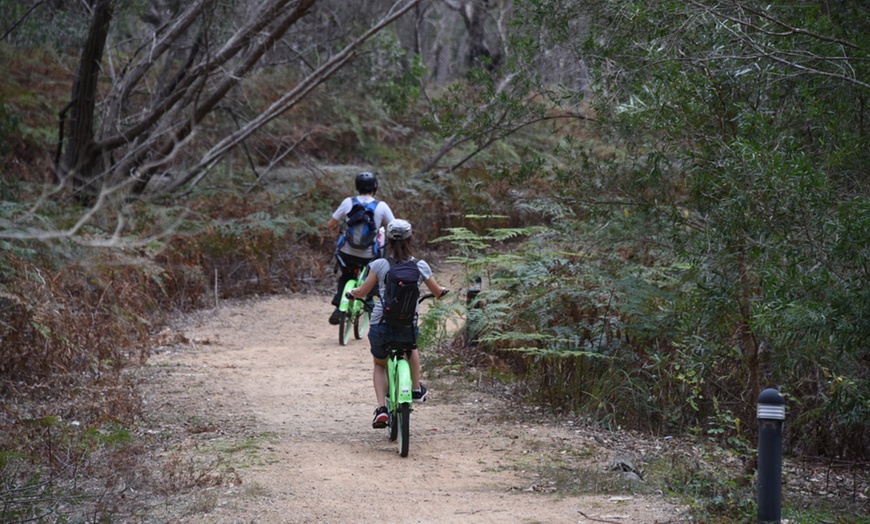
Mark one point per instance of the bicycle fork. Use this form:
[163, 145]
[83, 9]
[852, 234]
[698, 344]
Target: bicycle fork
[344, 305]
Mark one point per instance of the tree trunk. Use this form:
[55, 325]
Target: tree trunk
[479, 54]
[747, 337]
[474, 14]
[81, 161]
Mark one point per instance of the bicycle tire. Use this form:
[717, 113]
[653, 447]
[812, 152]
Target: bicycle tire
[344, 326]
[360, 324]
[404, 423]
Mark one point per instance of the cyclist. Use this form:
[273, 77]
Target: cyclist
[380, 333]
[348, 258]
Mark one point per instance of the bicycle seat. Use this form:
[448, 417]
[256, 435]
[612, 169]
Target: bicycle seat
[401, 347]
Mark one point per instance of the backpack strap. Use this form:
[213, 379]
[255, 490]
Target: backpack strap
[376, 249]
[390, 263]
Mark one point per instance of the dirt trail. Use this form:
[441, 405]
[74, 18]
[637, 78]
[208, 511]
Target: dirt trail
[265, 385]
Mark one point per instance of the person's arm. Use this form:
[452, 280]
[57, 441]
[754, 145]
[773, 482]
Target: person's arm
[387, 216]
[340, 213]
[433, 286]
[367, 285]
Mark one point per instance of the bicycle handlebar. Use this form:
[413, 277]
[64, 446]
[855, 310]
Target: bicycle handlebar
[444, 292]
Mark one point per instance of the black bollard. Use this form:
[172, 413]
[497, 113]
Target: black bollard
[771, 413]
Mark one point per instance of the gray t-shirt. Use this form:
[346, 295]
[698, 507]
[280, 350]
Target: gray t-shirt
[380, 267]
[383, 216]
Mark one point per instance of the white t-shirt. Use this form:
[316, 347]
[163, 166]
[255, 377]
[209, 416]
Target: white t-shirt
[383, 216]
[380, 267]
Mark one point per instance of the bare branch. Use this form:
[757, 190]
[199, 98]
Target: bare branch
[22, 19]
[454, 140]
[280, 157]
[195, 173]
[774, 55]
[506, 133]
[121, 92]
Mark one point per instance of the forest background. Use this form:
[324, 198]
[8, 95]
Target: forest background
[666, 204]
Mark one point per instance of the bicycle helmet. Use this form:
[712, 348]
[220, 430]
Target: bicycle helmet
[366, 183]
[399, 229]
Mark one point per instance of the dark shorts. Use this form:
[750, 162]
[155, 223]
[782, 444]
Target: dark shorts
[381, 335]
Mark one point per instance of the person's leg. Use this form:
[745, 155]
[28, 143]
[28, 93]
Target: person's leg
[347, 273]
[349, 270]
[418, 392]
[414, 363]
[379, 375]
[379, 378]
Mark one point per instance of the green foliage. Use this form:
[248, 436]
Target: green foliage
[395, 76]
[568, 326]
[434, 329]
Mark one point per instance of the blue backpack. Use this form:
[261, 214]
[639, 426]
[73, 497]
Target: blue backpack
[361, 231]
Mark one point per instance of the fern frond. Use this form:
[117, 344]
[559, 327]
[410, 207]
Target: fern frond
[485, 217]
[557, 353]
[507, 233]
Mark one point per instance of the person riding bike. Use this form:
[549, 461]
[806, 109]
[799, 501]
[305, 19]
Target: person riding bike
[350, 259]
[398, 250]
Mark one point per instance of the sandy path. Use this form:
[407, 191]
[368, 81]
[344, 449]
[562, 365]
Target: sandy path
[266, 385]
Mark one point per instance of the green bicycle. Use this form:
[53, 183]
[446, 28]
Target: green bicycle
[353, 315]
[399, 399]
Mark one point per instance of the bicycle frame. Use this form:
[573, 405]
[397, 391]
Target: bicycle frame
[352, 310]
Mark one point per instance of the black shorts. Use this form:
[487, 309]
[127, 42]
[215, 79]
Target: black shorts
[382, 334]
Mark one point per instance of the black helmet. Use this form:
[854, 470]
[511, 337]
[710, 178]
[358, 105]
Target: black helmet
[366, 183]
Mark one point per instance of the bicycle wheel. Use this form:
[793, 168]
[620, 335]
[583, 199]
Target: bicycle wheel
[404, 423]
[344, 327]
[360, 324]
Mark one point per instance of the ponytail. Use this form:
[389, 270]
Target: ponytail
[399, 249]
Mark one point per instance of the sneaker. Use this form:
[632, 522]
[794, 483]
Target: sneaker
[419, 395]
[335, 317]
[381, 417]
